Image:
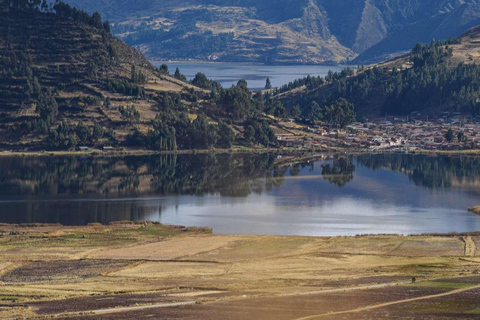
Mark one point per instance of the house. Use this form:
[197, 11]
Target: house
[108, 148]
[83, 148]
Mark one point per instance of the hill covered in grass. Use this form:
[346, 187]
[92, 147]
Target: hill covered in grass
[283, 31]
[441, 76]
[65, 81]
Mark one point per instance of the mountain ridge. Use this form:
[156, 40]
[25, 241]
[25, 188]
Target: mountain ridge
[285, 31]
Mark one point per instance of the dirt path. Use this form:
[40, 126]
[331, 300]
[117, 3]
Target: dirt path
[390, 303]
[470, 246]
[110, 311]
[373, 286]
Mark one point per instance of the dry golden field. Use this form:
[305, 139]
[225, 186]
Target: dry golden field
[153, 271]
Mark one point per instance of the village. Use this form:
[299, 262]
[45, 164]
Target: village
[413, 132]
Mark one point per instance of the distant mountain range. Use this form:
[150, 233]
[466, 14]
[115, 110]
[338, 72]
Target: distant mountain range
[283, 31]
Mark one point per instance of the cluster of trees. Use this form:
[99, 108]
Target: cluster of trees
[433, 81]
[259, 131]
[173, 130]
[67, 136]
[338, 115]
[203, 82]
[237, 101]
[137, 76]
[64, 10]
[312, 82]
[130, 114]
[124, 87]
[178, 75]
[47, 107]
[172, 101]
[450, 136]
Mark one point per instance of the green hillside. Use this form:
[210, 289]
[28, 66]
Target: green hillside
[67, 82]
[434, 78]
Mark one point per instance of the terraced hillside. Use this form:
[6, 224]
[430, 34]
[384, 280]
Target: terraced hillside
[66, 82]
[284, 31]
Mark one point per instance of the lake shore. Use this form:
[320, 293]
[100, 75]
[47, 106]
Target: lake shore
[107, 270]
[304, 152]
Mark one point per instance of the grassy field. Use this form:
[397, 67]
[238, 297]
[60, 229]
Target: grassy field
[146, 270]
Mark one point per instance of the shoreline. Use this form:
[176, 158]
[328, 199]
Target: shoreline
[303, 152]
[210, 231]
[245, 63]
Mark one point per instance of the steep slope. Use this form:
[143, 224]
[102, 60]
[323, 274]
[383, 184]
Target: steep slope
[284, 31]
[442, 76]
[65, 81]
[55, 69]
[446, 24]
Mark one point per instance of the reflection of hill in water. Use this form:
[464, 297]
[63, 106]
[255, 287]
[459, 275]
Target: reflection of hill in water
[232, 175]
[76, 190]
[97, 189]
[435, 172]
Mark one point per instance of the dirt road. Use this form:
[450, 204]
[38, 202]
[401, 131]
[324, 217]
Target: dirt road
[389, 303]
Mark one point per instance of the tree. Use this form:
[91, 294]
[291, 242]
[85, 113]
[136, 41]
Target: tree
[83, 132]
[106, 26]
[179, 76]
[238, 102]
[449, 135]
[98, 132]
[258, 102]
[97, 20]
[164, 68]
[279, 110]
[202, 81]
[268, 84]
[47, 107]
[226, 134]
[296, 112]
[242, 83]
[313, 112]
[250, 133]
[340, 114]
[460, 136]
[201, 134]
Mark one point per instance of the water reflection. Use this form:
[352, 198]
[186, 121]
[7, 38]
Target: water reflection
[245, 193]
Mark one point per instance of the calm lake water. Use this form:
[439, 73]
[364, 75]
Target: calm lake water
[228, 74]
[248, 194]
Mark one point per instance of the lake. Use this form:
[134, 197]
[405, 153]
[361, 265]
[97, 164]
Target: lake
[228, 74]
[248, 194]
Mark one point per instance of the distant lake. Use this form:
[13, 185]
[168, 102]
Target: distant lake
[228, 74]
[248, 194]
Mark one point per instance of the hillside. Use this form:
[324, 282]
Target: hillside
[442, 76]
[283, 31]
[65, 81]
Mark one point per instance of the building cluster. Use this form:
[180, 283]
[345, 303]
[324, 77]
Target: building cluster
[413, 132]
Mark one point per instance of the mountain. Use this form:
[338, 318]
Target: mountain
[283, 31]
[431, 79]
[65, 81]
